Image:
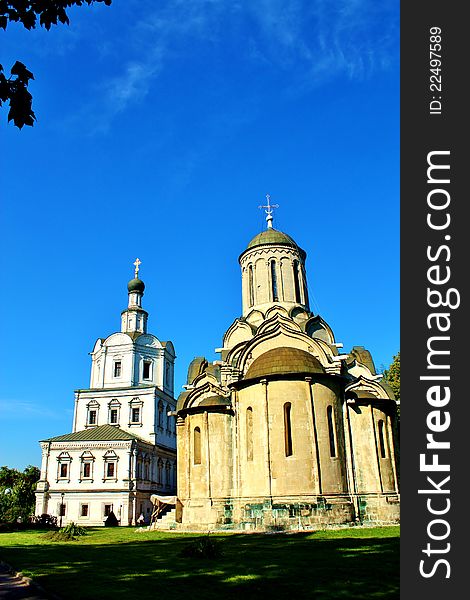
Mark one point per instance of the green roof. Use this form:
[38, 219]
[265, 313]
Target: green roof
[275, 238]
[283, 361]
[94, 434]
[272, 236]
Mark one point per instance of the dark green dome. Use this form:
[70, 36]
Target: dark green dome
[284, 361]
[272, 236]
[136, 285]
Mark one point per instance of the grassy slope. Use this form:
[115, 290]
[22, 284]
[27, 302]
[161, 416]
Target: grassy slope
[124, 563]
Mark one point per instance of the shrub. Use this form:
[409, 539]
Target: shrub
[74, 529]
[44, 520]
[205, 547]
[69, 533]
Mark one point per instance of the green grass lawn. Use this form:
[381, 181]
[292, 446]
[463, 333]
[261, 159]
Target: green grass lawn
[125, 563]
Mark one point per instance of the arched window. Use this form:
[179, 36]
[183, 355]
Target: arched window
[274, 281]
[160, 414]
[249, 433]
[167, 374]
[251, 294]
[383, 453]
[160, 471]
[287, 429]
[331, 431]
[296, 281]
[197, 446]
[167, 473]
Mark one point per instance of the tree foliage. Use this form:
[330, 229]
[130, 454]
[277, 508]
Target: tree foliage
[14, 89]
[17, 499]
[392, 376]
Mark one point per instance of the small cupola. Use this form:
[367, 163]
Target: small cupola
[134, 318]
[273, 270]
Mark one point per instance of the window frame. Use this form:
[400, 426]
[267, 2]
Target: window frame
[110, 458]
[147, 363]
[92, 408]
[117, 368]
[249, 433]
[197, 446]
[64, 460]
[288, 445]
[331, 431]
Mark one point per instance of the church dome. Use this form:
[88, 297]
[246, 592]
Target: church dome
[284, 361]
[136, 285]
[272, 236]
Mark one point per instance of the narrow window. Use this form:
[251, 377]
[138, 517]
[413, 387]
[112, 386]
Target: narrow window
[197, 446]
[62, 510]
[160, 470]
[92, 417]
[107, 509]
[287, 429]
[117, 368]
[274, 281]
[167, 472]
[113, 416]
[249, 433]
[146, 373]
[382, 440]
[296, 281]
[331, 431]
[167, 374]
[135, 415]
[250, 286]
[84, 511]
[86, 470]
[63, 469]
[110, 469]
[160, 414]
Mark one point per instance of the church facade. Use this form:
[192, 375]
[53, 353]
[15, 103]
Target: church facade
[122, 447]
[285, 430]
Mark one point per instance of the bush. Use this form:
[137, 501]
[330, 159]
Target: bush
[44, 520]
[205, 547]
[69, 533]
[74, 529]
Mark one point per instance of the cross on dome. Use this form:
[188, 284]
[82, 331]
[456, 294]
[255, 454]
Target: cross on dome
[269, 210]
[137, 263]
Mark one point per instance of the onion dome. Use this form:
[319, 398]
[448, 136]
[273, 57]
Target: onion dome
[136, 285]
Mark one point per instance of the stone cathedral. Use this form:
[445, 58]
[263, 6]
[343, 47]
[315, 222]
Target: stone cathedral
[285, 430]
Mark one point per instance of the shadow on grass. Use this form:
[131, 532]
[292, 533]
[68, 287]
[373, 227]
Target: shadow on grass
[252, 566]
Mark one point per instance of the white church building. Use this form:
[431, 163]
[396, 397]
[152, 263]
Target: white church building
[122, 447]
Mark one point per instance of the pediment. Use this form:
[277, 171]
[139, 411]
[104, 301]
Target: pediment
[316, 327]
[148, 340]
[118, 339]
[238, 332]
[207, 394]
[365, 388]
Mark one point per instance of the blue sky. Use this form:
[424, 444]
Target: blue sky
[161, 127]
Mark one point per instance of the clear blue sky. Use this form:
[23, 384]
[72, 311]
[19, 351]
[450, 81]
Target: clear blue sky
[161, 127]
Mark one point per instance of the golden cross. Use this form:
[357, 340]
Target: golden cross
[137, 263]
